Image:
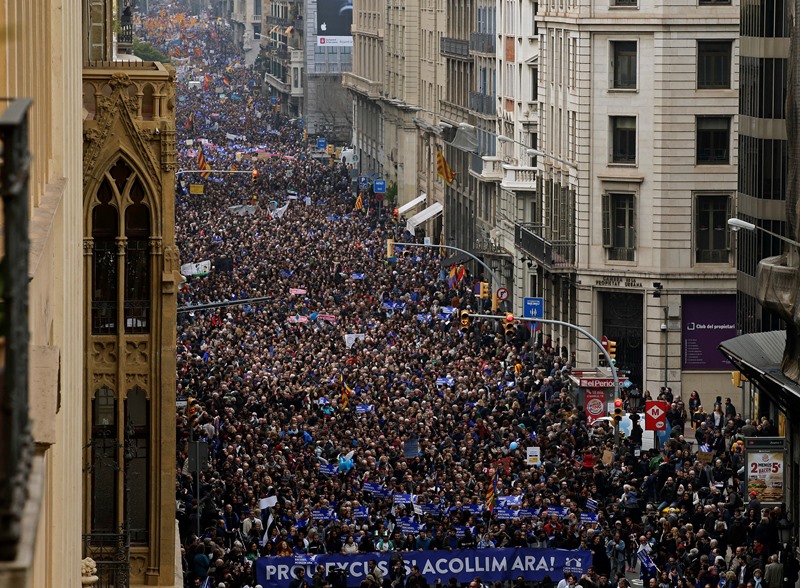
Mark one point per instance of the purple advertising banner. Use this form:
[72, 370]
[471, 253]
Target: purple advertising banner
[707, 322]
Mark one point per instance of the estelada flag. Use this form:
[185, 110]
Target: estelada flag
[491, 494]
[203, 164]
[443, 169]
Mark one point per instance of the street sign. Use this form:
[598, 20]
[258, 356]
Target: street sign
[379, 187]
[533, 308]
[322, 143]
[363, 182]
[655, 415]
[502, 294]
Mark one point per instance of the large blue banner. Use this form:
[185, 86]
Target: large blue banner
[492, 565]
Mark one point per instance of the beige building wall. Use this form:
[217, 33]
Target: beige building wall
[577, 103]
[40, 58]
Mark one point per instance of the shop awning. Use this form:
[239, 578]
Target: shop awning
[759, 356]
[422, 216]
[409, 205]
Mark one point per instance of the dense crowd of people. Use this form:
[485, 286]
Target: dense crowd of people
[350, 373]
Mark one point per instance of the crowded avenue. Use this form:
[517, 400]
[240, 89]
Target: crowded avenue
[358, 435]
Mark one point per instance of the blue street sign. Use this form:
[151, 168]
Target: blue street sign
[533, 308]
[273, 100]
[379, 186]
[363, 182]
[322, 144]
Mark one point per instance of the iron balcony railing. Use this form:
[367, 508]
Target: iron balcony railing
[481, 42]
[454, 47]
[482, 103]
[16, 441]
[111, 553]
[557, 254]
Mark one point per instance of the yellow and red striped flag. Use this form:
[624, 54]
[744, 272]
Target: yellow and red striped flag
[491, 494]
[203, 164]
[360, 201]
[443, 168]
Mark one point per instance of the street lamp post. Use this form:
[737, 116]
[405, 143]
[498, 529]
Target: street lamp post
[493, 275]
[736, 223]
[581, 330]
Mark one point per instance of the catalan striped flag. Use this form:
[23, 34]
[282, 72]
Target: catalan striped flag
[203, 164]
[360, 201]
[206, 82]
[347, 392]
[190, 121]
[452, 279]
[491, 494]
[443, 168]
[226, 81]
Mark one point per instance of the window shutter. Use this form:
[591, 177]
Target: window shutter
[728, 214]
[606, 220]
[634, 224]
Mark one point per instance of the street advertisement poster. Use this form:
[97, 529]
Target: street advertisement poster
[766, 472]
[334, 19]
[492, 565]
[595, 404]
[707, 321]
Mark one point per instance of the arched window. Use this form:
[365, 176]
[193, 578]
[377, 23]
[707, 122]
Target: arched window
[104, 462]
[137, 431]
[137, 263]
[147, 102]
[105, 229]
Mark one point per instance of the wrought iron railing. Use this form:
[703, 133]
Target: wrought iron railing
[16, 443]
[482, 42]
[483, 103]
[454, 47]
[111, 553]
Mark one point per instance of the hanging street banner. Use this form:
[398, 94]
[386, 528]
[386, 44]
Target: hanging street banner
[492, 565]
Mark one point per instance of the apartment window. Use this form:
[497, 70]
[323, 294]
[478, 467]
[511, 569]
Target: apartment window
[714, 64]
[623, 65]
[619, 226]
[625, 3]
[709, 2]
[713, 139]
[711, 234]
[534, 71]
[623, 139]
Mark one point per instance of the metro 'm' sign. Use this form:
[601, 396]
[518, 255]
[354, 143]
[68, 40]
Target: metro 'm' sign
[655, 415]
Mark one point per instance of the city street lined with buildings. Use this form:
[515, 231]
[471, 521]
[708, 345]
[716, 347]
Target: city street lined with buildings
[352, 416]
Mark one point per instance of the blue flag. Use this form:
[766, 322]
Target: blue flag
[646, 560]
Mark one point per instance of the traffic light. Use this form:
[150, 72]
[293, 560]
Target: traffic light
[389, 248]
[193, 412]
[483, 292]
[465, 321]
[396, 214]
[509, 327]
[601, 360]
[612, 350]
[255, 175]
[618, 410]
